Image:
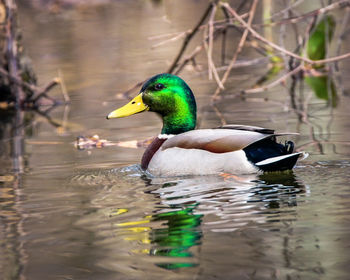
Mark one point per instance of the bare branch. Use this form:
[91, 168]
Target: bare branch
[191, 56]
[276, 82]
[17, 80]
[11, 49]
[239, 48]
[286, 10]
[336, 5]
[209, 47]
[63, 87]
[278, 48]
[190, 35]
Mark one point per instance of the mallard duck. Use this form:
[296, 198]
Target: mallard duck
[180, 149]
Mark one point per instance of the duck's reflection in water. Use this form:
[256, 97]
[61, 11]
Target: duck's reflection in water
[181, 232]
[188, 207]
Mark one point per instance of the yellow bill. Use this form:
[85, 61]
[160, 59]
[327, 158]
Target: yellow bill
[133, 107]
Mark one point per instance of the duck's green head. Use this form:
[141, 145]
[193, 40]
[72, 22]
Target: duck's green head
[170, 97]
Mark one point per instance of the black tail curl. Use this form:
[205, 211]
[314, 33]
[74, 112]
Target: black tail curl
[269, 148]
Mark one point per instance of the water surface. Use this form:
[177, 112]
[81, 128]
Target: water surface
[92, 214]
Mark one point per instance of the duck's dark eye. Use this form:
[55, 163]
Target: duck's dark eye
[158, 86]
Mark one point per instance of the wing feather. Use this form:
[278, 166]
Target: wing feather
[247, 128]
[215, 140]
[218, 140]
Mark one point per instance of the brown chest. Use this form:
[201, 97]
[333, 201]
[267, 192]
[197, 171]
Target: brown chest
[150, 151]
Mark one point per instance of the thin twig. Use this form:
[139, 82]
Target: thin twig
[11, 48]
[332, 59]
[308, 31]
[286, 10]
[63, 86]
[17, 80]
[224, 35]
[197, 50]
[219, 114]
[336, 5]
[65, 117]
[166, 35]
[172, 39]
[48, 117]
[296, 19]
[210, 42]
[177, 35]
[239, 48]
[292, 63]
[189, 37]
[211, 66]
[242, 63]
[343, 29]
[261, 38]
[276, 82]
[278, 48]
[43, 92]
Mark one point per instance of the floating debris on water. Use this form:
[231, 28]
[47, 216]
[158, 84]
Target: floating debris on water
[83, 143]
[90, 142]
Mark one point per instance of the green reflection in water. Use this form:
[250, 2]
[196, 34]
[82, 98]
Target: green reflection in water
[178, 232]
[182, 232]
[320, 36]
[317, 46]
[323, 87]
